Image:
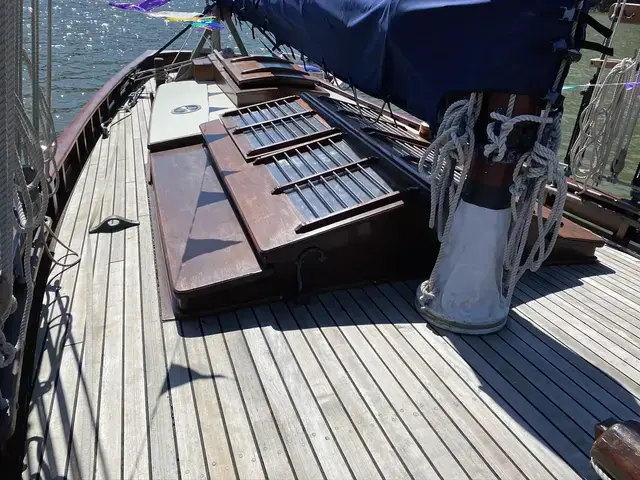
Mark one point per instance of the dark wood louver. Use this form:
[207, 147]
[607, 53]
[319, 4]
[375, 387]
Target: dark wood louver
[266, 127]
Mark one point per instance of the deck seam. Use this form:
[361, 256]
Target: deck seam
[371, 412]
[146, 102]
[244, 404]
[220, 409]
[382, 392]
[621, 275]
[584, 308]
[605, 322]
[349, 376]
[140, 302]
[306, 380]
[599, 278]
[561, 383]
[402, 388]
[515, 413]
[282, 381]
[436, 375]
[90, 313]
[537, 404]
[105, 315]
[528, 327]
[559, 324]
[594, 284]
[425, 387]
[193, 396]
[48, 416]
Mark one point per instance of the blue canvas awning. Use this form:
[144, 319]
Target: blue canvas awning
[415, 51]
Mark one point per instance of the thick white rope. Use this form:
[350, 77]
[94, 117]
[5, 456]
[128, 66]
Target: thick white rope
[534, 171]
[606, 124]
[453, 147]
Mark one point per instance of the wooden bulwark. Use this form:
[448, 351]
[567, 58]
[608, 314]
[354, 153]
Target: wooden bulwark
[354, 384]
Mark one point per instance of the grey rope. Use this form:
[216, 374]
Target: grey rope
[454, 147]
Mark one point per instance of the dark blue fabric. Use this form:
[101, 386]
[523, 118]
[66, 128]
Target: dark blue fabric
[415, 51]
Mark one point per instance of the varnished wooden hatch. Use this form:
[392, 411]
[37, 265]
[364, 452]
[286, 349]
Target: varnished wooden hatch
[259, 70]
[255, 79]
[283, 200]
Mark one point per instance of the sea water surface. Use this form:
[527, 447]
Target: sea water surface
[93, 41]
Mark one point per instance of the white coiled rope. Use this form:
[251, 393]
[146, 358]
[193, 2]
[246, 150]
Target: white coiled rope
[533, 172]
[606, 124]
[454, 147]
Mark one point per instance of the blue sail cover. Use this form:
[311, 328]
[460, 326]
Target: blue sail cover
[413, 52]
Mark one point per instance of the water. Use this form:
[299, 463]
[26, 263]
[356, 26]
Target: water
[92, 42]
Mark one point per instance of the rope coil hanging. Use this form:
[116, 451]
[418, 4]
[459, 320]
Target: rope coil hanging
[454, 147]
[606, 125]
[534, 170]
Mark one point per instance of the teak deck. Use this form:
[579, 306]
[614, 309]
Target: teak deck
[354, 384]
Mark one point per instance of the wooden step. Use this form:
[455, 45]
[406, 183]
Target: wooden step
[205, 247]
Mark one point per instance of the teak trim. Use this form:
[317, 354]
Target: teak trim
[256, 58]
[269, 69]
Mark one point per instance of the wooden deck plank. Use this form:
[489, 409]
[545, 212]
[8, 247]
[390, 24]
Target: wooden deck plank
[611, 252]
[161, 436]
[53, 337]
[312, 416]
[295, 437]
[140, 125]
[394, 375]
[215, 438]
[540, 437]
[614, 287]
[245, 452]
[86, 449]
[305, 341]
[580, 304]
[258, 409]
[575, 384]
[425, 395]
[193, 463]
[616, 274]
[136, 454]
[119, 202]
[110, 417]
[577, 362]
[109, 273]
[608, 356]
[624, 304]
[431, 372]
[561, 410]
